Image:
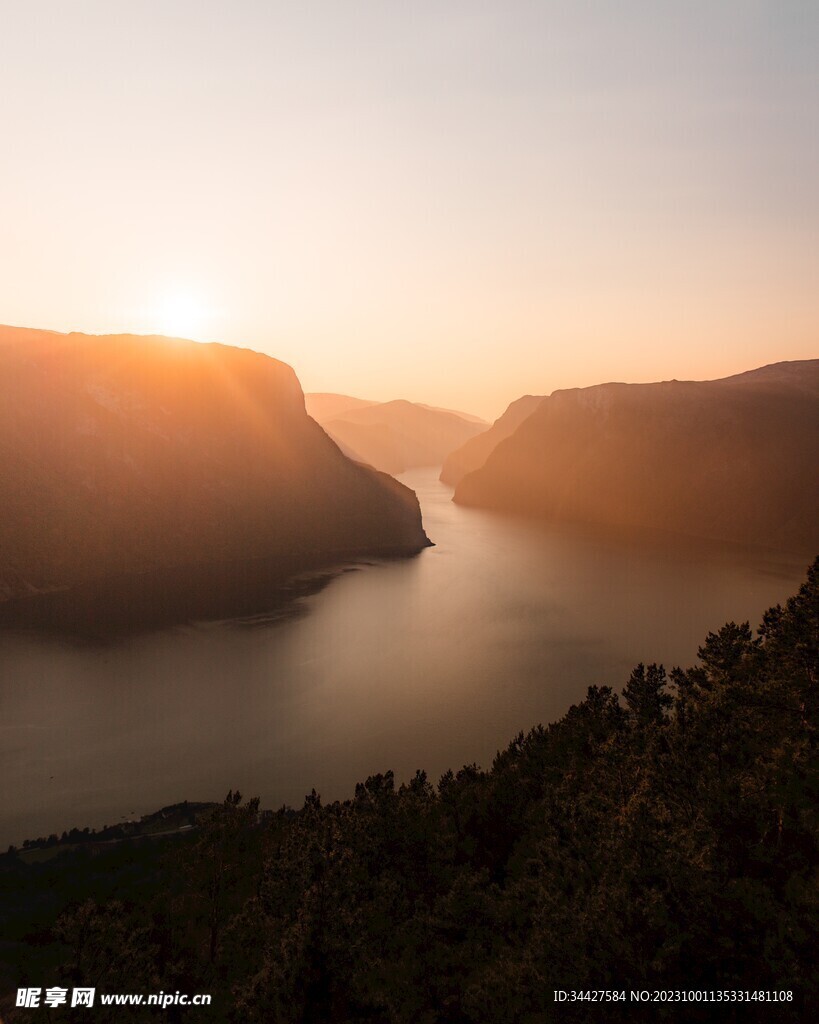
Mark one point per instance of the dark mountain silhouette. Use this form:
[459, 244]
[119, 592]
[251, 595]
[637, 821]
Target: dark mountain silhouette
[123, 455]
[731, 459]
[475, 452]
[396, 436]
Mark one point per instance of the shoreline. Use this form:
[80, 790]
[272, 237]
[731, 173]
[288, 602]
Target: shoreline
[131, 603]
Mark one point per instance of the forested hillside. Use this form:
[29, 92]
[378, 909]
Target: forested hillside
[666, 838]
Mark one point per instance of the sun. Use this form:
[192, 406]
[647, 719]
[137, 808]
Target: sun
[181, 314]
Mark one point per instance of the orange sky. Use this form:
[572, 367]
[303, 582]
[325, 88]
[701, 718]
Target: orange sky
[455, 202]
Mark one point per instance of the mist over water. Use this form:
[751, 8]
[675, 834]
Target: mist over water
[430, 662]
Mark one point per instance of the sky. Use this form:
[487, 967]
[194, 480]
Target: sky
[450, 201]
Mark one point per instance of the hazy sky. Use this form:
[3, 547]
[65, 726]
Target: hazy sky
[454, 202]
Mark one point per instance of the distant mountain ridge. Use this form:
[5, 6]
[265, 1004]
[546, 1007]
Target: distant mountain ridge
[124, 454]
[324, 406]
[474, 453]
[732, 459]
[393, 436]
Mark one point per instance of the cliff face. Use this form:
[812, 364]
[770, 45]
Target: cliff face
[731, 459]
[125, 454]
[476, 451]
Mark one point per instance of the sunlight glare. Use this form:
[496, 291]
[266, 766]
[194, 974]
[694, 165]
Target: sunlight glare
[181, 315]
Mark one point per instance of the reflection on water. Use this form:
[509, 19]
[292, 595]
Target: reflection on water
[427, 663]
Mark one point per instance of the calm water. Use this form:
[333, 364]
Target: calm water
[428, 663]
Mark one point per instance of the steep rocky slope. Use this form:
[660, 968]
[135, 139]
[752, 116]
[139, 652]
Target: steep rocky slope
[476, 451]
[731, 459]
[125, 454]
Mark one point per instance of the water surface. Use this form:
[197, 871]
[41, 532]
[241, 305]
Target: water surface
[430, 662]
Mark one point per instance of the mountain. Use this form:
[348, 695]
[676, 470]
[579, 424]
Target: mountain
[468, 416]
[324, 406]
[126, 455]
[396, 436]
[731, 459]
[475, 452]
